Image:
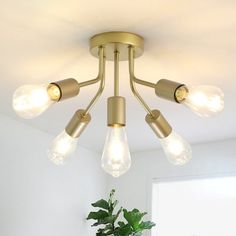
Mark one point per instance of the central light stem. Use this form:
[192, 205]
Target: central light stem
[116, 158]
[116, 73]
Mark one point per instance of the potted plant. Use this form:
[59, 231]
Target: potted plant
[109, 222]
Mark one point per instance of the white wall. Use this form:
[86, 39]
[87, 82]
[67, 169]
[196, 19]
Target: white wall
[38, 198]
[134, 188]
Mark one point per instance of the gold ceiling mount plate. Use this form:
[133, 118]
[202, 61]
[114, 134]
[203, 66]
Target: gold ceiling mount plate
[117, 41]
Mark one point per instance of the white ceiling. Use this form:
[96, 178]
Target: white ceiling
[193, 42]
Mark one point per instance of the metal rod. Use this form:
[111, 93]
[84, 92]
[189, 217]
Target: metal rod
[98, 78]
[89, 82]
[143, 82]
[116, 73]
[101, 76]
[132, 80]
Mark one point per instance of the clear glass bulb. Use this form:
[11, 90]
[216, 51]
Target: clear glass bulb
[205, 101]
[61, 148]
[116, 158]
[30, 101]
[177, 150]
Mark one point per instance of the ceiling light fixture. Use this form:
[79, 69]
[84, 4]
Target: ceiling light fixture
[30, 101]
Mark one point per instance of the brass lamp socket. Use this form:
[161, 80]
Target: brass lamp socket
[67, 88]
[78, 123]
[167, 89]
[116, 111]
[159, 124]
[181, 93]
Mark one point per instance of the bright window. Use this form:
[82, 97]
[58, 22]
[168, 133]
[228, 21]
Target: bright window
[202, 207]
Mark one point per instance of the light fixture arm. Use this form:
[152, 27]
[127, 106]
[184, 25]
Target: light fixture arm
[144, 82]
[101, 70]
[136, 80]
[132, 82]
[89, 82]
[101, 78]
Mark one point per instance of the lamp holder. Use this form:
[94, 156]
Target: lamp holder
[116, 111]
[78, 123]
[117, 41]
[158, 124]
[67, 88]
[167, 89]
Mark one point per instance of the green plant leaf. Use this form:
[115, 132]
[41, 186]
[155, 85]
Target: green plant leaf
[106, 231]
[137, 233]
[118, 213]
[111, 195]
[114, 203]
[101, 204]
[146, 225]
[121, 223]
[124, 230]
[97, 215]
[105, 220]
[134, 217]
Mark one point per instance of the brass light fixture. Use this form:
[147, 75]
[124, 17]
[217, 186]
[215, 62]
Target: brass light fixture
[31, 100]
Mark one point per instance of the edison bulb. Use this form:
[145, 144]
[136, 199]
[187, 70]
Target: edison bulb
[116, 158]
[30, 101]
[205, 101]
[177, 150]
[61, 148]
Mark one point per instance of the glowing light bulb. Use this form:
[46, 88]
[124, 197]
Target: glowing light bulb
[61, 148]
[116, 158]
[30, 101]
[177, 150]
[205, 101]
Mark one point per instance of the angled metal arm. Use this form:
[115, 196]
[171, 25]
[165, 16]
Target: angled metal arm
[143, 82]
[133, 79]
[89, 82]
[136, 80]
[101, 78]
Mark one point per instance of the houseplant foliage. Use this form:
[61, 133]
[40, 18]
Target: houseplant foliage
[108, 219]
